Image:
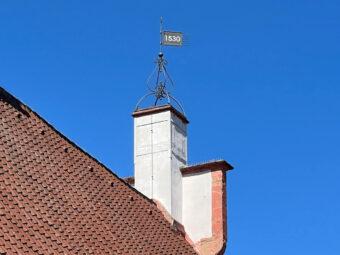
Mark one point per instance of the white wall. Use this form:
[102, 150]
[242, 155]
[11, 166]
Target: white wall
[179, 159]
[160, 149]
[197, 205]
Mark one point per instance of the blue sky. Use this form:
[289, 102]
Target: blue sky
[259, 81]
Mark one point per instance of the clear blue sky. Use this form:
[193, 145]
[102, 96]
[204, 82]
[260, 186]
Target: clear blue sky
[259, 80]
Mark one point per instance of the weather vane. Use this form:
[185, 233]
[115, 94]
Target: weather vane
[160, 78]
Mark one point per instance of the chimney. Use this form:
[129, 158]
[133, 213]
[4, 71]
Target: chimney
[205, 205]
[160, 150]
[192, 197]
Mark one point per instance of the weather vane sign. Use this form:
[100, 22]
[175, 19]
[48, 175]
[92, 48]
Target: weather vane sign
[172, 38]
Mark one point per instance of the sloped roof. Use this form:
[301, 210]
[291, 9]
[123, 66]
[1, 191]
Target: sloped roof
[57, 199]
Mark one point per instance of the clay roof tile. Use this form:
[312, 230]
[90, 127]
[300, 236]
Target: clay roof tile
[57, 199]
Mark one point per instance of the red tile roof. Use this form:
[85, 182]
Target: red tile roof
[57, 199]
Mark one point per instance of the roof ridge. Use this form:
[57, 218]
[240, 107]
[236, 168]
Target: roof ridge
[18, 103]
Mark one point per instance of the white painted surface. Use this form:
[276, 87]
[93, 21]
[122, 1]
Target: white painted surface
[179, 158]
[160, 149]
[197, 205]
[143, 179]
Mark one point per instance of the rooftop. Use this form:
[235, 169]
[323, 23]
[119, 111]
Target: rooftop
[57, 199]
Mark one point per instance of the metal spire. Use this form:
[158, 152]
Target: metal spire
[160, 78]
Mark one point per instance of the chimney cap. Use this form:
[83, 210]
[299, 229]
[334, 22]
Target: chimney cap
[158, 109]
[210, 165]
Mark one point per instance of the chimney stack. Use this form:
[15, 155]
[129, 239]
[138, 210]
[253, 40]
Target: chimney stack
[191, 196]
[160, 150]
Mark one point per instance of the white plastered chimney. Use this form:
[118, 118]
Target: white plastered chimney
[194, 196]
[160, 150]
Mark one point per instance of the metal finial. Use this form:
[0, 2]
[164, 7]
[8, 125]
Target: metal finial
[159, 78]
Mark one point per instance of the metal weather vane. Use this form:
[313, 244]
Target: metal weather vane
[160, 78]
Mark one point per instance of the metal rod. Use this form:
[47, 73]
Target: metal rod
[149, 78]
[158, 74]
[167, 74]
[178, 103]
[142, 98]
[161, 34]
